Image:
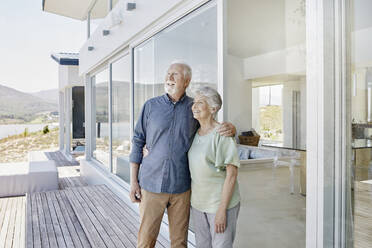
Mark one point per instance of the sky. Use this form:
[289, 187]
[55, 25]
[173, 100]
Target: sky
[28, 36]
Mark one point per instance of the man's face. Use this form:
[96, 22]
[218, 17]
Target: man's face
[175, 82]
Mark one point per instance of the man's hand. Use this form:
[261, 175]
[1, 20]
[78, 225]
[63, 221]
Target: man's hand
[227, 129]
[135, 192]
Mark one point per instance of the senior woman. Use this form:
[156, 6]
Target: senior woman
[213, 163]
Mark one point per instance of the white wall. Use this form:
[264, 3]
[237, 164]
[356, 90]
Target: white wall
[133, 24]
[359, 104]
[238, 95]
[287, 61]
[256, 109]
[69, 76]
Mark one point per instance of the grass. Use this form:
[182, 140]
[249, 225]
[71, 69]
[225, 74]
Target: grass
[271, 122]
[16, 147]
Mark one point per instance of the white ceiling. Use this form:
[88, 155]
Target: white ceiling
[260, 26]
[77, 9]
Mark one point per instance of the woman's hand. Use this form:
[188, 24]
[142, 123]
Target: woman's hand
[145, 151]
[220, 221]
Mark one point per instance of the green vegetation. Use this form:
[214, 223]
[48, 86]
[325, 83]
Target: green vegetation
[25, 133]
[15, 148]
[271, 122]
[18, 107]
[46, 129]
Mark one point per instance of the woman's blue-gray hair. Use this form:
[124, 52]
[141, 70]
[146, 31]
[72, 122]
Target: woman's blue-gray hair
[211, 95]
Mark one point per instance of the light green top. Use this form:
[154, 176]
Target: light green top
[208, 156]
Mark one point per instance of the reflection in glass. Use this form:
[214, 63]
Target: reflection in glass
[193, 40]
[121, 117]
[100, 87]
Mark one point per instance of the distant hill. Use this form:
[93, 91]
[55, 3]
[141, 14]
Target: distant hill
[15, 104]
[48, 95]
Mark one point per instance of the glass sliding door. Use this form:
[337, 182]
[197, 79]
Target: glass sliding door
[192, 40]
[359, 188]
[265, 89]
[101, 113]
[121, 76]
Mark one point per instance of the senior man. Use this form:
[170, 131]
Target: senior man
[166, 127]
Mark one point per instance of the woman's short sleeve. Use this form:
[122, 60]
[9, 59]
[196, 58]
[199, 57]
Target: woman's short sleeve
[226, 152]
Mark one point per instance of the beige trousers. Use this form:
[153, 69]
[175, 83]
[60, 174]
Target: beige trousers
[152, 209]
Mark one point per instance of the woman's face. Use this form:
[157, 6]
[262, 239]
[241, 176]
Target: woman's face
[200, 109]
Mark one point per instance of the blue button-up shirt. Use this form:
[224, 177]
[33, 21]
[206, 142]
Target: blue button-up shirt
[167, 129]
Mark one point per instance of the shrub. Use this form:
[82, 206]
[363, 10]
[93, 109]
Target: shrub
[46, 129]
[25, 132]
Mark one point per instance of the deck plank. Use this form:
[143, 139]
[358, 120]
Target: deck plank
[115, 213]
[48, 221]
[100, 217]
[18, 222]
[105, 232]
[93, 234]
[58, 219]
[120, 215]
[35, 222]
[54, 221]
[5, 203]
[29, 231]
[42, 223]
[10, 223]
[77, 233]
[130, 214]
[60, 159]
[110, 217]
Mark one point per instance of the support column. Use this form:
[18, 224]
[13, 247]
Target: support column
[68, 120]
[61, 114]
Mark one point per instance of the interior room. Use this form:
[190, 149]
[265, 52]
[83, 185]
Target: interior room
[266, 78]
[360, 190]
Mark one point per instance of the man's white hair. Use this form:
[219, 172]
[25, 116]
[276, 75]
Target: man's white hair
[187, 72]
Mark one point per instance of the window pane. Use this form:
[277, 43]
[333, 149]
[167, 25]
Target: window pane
[121, 117]
[193, 40]
[268, 115]
[266, 90]
[100, 87]
[359, 176]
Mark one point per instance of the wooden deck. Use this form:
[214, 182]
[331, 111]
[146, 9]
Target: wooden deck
[89, 216]
[12, 222]
[58, 157]
[69, 176]
[51, 222]
[76, 215]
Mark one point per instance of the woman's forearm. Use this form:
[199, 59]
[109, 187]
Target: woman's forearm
[228, 186]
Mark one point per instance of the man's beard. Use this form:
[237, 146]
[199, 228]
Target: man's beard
[169, 90]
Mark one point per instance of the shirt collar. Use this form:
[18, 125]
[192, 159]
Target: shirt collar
[169, 100]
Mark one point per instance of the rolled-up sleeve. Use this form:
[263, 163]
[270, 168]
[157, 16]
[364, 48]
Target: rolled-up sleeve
[139, 137]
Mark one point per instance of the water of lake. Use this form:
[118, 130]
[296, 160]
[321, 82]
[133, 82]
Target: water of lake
[7, 130]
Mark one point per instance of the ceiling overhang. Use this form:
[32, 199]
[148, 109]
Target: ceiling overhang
[77, 9]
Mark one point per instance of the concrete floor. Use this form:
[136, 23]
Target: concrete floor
[269, 215]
